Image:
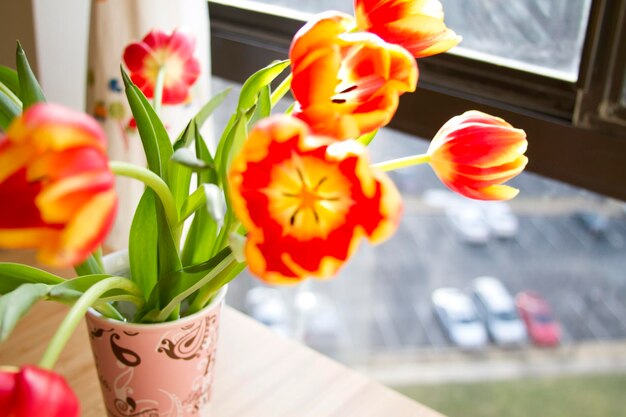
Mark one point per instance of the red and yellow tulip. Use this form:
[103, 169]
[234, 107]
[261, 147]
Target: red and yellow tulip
[417, 25]
[56, 188]
[307, 200]
[32, 391]
[172, 52]
[347, 84]
[474, 153]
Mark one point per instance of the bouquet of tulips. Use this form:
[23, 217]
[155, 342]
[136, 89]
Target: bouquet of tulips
[289, 195]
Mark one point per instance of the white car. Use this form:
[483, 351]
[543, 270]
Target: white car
[502, 222]
[468, 223]
[498, 311]
[459, 319]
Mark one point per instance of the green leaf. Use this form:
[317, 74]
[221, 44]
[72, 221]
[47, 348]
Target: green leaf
[9, 110]
[202, 152]
[231, 146]
[71, 290]
[168, 252]
[154, 137]
[88, 267]
[199, 244]
[30, 90]
[202, 116]
[207, 110]
[8, 77]
[185, 157]
[180, 175]
[13, 275]
[180, 281]
[143, 244]
[200, 241]
[14, 305]
[208, 197]
[263, 106]
[258, 80]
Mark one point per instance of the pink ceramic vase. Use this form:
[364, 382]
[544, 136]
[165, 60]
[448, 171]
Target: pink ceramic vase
[156, 370]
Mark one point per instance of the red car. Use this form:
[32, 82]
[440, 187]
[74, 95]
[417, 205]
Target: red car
[543, 329]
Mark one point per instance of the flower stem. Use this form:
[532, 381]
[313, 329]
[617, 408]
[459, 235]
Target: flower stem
[153, 181]
[78, 310]
[281, 90]
[402, 162]
[158, 90]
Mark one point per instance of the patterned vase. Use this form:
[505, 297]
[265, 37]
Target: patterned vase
[156, 370]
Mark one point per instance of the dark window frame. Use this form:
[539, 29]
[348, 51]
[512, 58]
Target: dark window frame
[572, 136]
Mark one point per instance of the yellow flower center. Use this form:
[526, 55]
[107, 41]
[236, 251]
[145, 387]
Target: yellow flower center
[308, 197]
[171, 62]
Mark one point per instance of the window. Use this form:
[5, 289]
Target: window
[569, 243]
[565, 117]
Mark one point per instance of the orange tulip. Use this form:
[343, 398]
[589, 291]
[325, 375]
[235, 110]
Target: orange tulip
[417, 25]
[174, 53]
[474, 153]
[347, 84]
[56, 189]
[307, 200]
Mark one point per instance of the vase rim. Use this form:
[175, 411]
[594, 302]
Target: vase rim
[219, 297]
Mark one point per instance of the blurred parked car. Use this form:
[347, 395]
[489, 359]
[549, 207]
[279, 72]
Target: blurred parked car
[540, 323]
[497, 309]
[594, 223]
[500, 219]
[468, 223]
[459, 319]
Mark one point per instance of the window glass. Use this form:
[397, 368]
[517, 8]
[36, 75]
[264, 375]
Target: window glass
[544, 36]
[561, 242]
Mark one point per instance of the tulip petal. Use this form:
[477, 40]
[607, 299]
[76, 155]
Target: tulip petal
[416, 25]
[61, 198]
[474, 153]
[41, 393]
[171, 52]
[84, 233]
[307, 201]
[347, 84]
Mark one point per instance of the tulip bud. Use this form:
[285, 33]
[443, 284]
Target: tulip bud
[35, 392]
[474, 153]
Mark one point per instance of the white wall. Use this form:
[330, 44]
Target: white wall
[61, 31]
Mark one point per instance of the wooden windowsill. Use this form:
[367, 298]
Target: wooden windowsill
[258, 373]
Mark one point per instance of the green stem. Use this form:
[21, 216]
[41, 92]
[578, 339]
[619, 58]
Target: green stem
[158, 90]
[208, 279]
[402, 162]
[281, 90]
[153, 181]
[76, 313]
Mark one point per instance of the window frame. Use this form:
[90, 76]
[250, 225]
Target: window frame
[572, 136]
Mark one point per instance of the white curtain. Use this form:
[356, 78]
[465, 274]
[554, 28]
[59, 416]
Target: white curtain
[115, 24]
